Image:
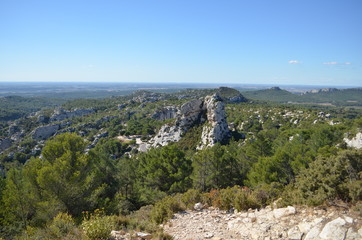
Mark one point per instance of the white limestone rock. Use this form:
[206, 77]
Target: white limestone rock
[295, 234]
[313, 233]
[61, 114]
[45, 132]
[217, 129]
[282, 212]
[334, 230]
[355, 142]
[144, 235]
[198, 206]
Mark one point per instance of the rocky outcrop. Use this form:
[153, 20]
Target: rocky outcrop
[61, 114]
[190, 114]
[216, 130]
[355, 142]
[193, 113]
[5, 143]
[323, 90]
[145, 96]
[165, 113]
[282, 223]
[45, 132]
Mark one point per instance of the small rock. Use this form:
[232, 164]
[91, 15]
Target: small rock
[348, 219]
[198, 206]
[295, 234]
[216, 238]
[144, 235]
[119, 235]
[208, 235]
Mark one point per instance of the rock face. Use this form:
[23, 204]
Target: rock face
[288, 223]
[165, 113]
[217, 129]
[355, 142]
[62, 114]
[4, 143]
[189, 115]
[45, 132]
[192, 113]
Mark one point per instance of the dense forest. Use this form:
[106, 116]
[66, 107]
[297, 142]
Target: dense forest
[86, 180]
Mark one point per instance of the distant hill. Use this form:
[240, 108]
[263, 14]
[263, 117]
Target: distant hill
[340, 97]
[230, 95]
[350, 96]
[274, 94]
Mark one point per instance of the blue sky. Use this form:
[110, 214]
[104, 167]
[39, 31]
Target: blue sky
[263, 42]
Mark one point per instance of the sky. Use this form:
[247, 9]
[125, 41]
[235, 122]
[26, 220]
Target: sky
[301, 42]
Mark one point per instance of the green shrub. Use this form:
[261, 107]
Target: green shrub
[245, 199]
[227, 197]
[165, 209]
[266, 193]
[61, 225]
[191, 197]
[327, 179]
[212, 198]
[141, 220]
[96, 226]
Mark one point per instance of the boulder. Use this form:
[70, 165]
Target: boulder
[334, 230]
[313, 233]
[282, 212]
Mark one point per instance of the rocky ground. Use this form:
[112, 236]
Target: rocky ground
[282, 223]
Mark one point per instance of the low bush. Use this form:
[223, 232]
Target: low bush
[191, 197]
[62, 225]
[97, 226]
[165, 208]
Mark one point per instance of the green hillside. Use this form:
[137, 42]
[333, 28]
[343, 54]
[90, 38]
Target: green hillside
[274, 94]
[13, 107]
[338, 97]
